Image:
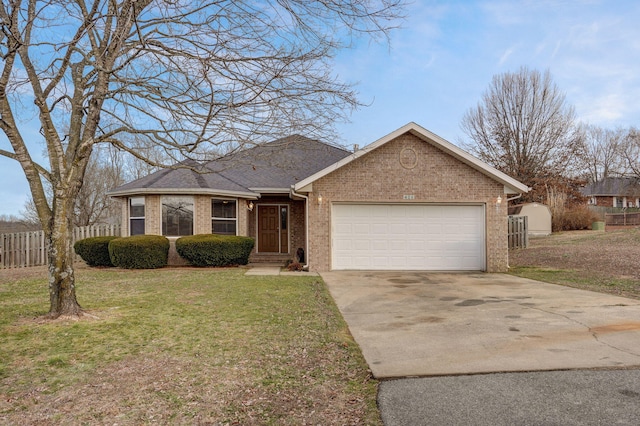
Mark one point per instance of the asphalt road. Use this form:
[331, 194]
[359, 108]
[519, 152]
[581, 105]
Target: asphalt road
[580, 397]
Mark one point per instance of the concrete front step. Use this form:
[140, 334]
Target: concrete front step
[272, 259]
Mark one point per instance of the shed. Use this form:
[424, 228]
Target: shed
[539, 217]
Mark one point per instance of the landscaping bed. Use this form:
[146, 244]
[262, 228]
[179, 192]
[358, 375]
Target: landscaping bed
[592, 260]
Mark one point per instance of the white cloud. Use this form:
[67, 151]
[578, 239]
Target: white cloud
[505, 56]
[606, 108]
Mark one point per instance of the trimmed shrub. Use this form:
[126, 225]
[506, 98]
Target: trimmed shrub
[215, 250]
[94, 250]
[139, 252]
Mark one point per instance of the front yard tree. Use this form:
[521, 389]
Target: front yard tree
[183, 75]
[524, 128]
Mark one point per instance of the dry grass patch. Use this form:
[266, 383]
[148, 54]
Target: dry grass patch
[598, 261]
[181, 346]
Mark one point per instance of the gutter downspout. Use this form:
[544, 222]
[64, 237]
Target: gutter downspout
[305, 267]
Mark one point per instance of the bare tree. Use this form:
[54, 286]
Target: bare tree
[11, 223]
[104, 172]
[153, 155]
[179, 74]
[631, 152]
[29, 213]
[603, 152]
[524, 127]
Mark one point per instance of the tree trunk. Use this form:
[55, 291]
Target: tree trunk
[62, 288]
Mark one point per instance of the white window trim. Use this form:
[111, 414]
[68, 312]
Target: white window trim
[193, 221]
[144, 218]
[225, 218]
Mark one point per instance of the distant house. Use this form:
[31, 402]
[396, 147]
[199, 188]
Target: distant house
[614, 192]
[539, 217]
[409, 201]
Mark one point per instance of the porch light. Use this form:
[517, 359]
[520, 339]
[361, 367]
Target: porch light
[498, 201]
[250, 206]
[320, 199]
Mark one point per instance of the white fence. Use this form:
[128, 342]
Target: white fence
[23, 249]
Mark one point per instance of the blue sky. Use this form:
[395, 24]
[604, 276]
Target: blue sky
[443, 58]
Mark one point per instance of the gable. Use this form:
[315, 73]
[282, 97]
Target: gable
[407, 167]
[431, 162]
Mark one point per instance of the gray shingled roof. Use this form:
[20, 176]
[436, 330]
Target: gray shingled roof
[614, 187]
[274, 165]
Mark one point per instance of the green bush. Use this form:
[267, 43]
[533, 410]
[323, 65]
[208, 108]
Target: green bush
[139, 252]
[215, 250]
[94, 250]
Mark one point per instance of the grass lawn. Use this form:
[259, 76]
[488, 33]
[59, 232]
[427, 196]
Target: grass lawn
[180, 346]
[598, 261]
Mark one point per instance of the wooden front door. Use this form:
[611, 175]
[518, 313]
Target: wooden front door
[273, 233]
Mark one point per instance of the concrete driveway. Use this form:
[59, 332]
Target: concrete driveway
[426, 324]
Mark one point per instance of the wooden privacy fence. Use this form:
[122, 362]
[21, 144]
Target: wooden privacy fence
[518, 231]
[23, 249]
[622, 219]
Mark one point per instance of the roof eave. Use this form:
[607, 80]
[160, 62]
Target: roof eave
[271, 190]
[183, 191]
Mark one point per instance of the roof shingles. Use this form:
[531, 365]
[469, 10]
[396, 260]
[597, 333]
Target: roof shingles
[613, 187]
[274, 165]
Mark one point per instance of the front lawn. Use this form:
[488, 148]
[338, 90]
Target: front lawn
[180, 346]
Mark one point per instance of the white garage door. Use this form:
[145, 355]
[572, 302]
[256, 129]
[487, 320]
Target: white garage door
[408, 237]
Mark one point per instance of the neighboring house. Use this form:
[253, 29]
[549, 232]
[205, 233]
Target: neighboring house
[614, 192]
[538, 217]
[408, 201]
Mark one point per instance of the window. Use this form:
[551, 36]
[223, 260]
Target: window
[283, 218]
[224, 217]
[136, 216]
[617, 202]
[177, 216]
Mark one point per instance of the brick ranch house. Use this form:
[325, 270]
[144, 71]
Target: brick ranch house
[409, 201]
[620, 192]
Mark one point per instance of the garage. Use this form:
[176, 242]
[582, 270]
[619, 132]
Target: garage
[430, 237]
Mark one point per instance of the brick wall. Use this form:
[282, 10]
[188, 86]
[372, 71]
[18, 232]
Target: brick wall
[604, 201]
[202, 214]
[124, 206]
[243, 218]
[407, 165]
[152, 215]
